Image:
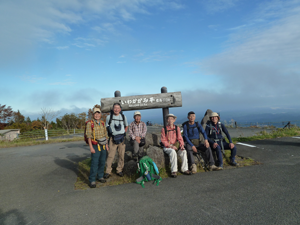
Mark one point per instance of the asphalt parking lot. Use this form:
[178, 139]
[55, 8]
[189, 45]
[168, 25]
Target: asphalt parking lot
[37, 187]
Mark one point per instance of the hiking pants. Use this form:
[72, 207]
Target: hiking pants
[111, 155]
[173, 159]
[207, 154]
[97, 163]
[218, 151]
[136, 147]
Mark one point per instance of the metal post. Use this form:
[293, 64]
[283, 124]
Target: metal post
[165, 111]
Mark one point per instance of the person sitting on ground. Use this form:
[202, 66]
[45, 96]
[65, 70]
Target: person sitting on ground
[137, 134]
[98, 151]
[116, 124]
[214, 130]
[172, 141]
[191, 135]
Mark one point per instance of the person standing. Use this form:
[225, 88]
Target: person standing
[116, 124]
[97, 141]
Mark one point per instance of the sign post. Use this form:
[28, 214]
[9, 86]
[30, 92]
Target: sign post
[140, 102]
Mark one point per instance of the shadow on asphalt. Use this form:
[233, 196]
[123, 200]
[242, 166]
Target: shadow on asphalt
[13, 216]
[71, 161]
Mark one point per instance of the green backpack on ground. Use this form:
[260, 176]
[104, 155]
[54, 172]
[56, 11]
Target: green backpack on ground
[148, 171]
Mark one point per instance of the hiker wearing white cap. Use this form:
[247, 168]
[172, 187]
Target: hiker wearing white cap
[172, 141]
[214, 129]
[137, 134]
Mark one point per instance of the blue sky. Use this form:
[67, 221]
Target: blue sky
[227, 55]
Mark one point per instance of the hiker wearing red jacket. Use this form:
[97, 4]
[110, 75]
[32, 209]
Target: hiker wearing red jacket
[173, 144]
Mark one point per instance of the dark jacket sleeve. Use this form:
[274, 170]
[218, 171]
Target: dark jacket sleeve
[207, 130]
[202, 131]
[186, 136]
[226, 132]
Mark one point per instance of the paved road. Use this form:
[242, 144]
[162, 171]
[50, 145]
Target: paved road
[37, 187]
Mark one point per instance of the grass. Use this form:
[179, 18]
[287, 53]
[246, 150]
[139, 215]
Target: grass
[280, 132]
[31, 142]
[84, 170]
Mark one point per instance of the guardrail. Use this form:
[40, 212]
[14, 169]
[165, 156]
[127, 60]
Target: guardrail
[51, 133]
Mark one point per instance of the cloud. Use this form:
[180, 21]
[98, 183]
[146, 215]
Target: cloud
[62, 47]
[26, 24]
[214, 6]
[63, 83]
[260, 67]
[31, 78]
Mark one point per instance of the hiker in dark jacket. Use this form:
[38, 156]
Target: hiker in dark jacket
[191, 135]
[214, 130]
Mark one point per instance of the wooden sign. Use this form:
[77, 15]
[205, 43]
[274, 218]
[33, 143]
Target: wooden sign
[139, 102]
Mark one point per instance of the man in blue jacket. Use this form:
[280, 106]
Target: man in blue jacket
[214, 130]
[191, 135]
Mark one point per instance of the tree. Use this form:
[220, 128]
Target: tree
[82, 119]
[90, 114]
[18, 117]
[66, 122]
[47, 115]
[36, 125]
[28, 120]
[5, 113]
[58, 123]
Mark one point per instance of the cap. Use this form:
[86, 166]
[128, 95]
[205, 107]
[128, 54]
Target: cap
[97, 110]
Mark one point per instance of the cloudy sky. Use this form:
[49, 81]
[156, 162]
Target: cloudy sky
[227, 55]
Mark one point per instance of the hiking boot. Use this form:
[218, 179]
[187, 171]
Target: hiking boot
[174, 174]
[187, 172]
[120, 174]
[102, 180]
[194, 168]
[233, 163]
[93, 184]
[106, 176]
[213, 167]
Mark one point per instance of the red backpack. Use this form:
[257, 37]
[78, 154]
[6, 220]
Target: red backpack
[94, 142]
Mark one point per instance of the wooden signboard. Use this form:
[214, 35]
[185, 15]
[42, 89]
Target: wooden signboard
[139, 102]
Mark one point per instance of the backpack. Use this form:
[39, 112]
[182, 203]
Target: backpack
[148, 171]
[110, 119]
[165, 128]
[188, 126]
[94, 142]
[211, 128]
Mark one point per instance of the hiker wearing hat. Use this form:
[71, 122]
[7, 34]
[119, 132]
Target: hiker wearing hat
[97, 139]
[214, 129]
[172, 140]
[137, 134]
[116, 125]
[191, 135]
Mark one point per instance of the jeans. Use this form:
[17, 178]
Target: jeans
[97, 163]
[218, 151]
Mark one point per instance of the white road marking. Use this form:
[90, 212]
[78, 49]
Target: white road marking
[252, 146]
[296, 137]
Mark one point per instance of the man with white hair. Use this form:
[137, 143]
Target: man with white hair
[137, 134]
[172, 140]
[214, 130]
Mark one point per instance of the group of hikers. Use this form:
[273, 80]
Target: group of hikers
[105, 139]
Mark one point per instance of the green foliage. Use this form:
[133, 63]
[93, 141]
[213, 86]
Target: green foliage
[293, 131]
